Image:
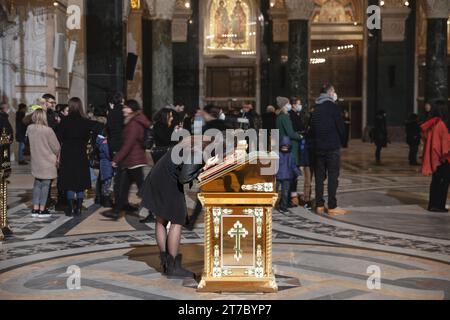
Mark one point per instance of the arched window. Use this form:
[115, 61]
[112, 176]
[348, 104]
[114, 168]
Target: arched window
[231, 26]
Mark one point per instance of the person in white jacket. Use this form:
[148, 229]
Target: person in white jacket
[44, 149]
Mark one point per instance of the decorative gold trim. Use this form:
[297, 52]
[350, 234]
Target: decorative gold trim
[258, 213]
[208, 241]
[217, 270]
[259, 187]
[227, 199]
[268, 222]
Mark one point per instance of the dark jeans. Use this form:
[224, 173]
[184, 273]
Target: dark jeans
[439, 187]
[127, 177]
[285, 186]
[327, 164]
[413, 149]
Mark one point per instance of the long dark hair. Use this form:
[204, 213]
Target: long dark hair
[162, 116]
[76, 107]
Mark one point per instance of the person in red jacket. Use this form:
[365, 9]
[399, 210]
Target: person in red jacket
[131, 158]
[436, 156]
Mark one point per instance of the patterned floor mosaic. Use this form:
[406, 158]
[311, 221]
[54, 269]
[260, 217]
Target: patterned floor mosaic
[315, 257]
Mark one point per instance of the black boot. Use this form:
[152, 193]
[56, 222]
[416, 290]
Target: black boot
[175, 270]
[163, 257]
[113, 214]
[78, 207]
[106, 202]
[70, 208]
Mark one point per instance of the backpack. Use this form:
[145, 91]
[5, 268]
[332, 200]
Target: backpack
[149, 138]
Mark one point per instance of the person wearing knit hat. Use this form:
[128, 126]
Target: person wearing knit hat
[286, 129]
[282, 102]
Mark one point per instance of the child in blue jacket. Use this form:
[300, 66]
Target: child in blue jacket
[106, 171]
[287, 171]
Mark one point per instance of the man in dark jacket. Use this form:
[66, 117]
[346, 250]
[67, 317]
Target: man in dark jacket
[115, 123]
[328, 136]
[52, 116]
[21, 130]
[413, 137]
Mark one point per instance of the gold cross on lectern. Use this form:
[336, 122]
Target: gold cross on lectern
[237, 232]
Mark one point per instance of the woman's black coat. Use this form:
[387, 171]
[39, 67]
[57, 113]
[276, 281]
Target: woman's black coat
[74, 133]
[163, 190]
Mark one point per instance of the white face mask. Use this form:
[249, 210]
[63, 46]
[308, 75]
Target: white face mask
[222, 116]
[335, 97]
[299, 108]
[289, 107]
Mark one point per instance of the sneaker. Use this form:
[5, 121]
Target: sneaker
[45, 214]
[23, 163]
[35, 213]
[336, 212]
[283, 210]
[308, 206]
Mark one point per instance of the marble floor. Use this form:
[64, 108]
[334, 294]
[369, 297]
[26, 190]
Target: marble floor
[315, 257]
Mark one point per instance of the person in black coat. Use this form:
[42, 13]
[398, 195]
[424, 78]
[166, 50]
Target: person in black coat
[413, 137]
[4, 120]
[379, 134]
[347, 123]
[328, 137]
[21, 130]
[74, 133]
[269, 119]
[163, 195]
[115, 123]
[162, 131]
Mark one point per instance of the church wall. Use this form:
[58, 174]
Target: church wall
[77, 79]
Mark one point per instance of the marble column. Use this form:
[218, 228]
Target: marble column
[162, 66]
[436, 81]
[134, 45]
[298, 65]
[162, 55]
[299, 12]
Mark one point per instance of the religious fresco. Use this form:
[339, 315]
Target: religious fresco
[230, 26]
[335, 11]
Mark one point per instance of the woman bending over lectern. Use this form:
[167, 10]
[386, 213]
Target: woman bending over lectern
[163, 195]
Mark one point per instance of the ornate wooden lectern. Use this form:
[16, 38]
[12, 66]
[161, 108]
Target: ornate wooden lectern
[5, 172]
[238, 202]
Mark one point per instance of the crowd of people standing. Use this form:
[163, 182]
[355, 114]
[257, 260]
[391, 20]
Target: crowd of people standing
[66, 144]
